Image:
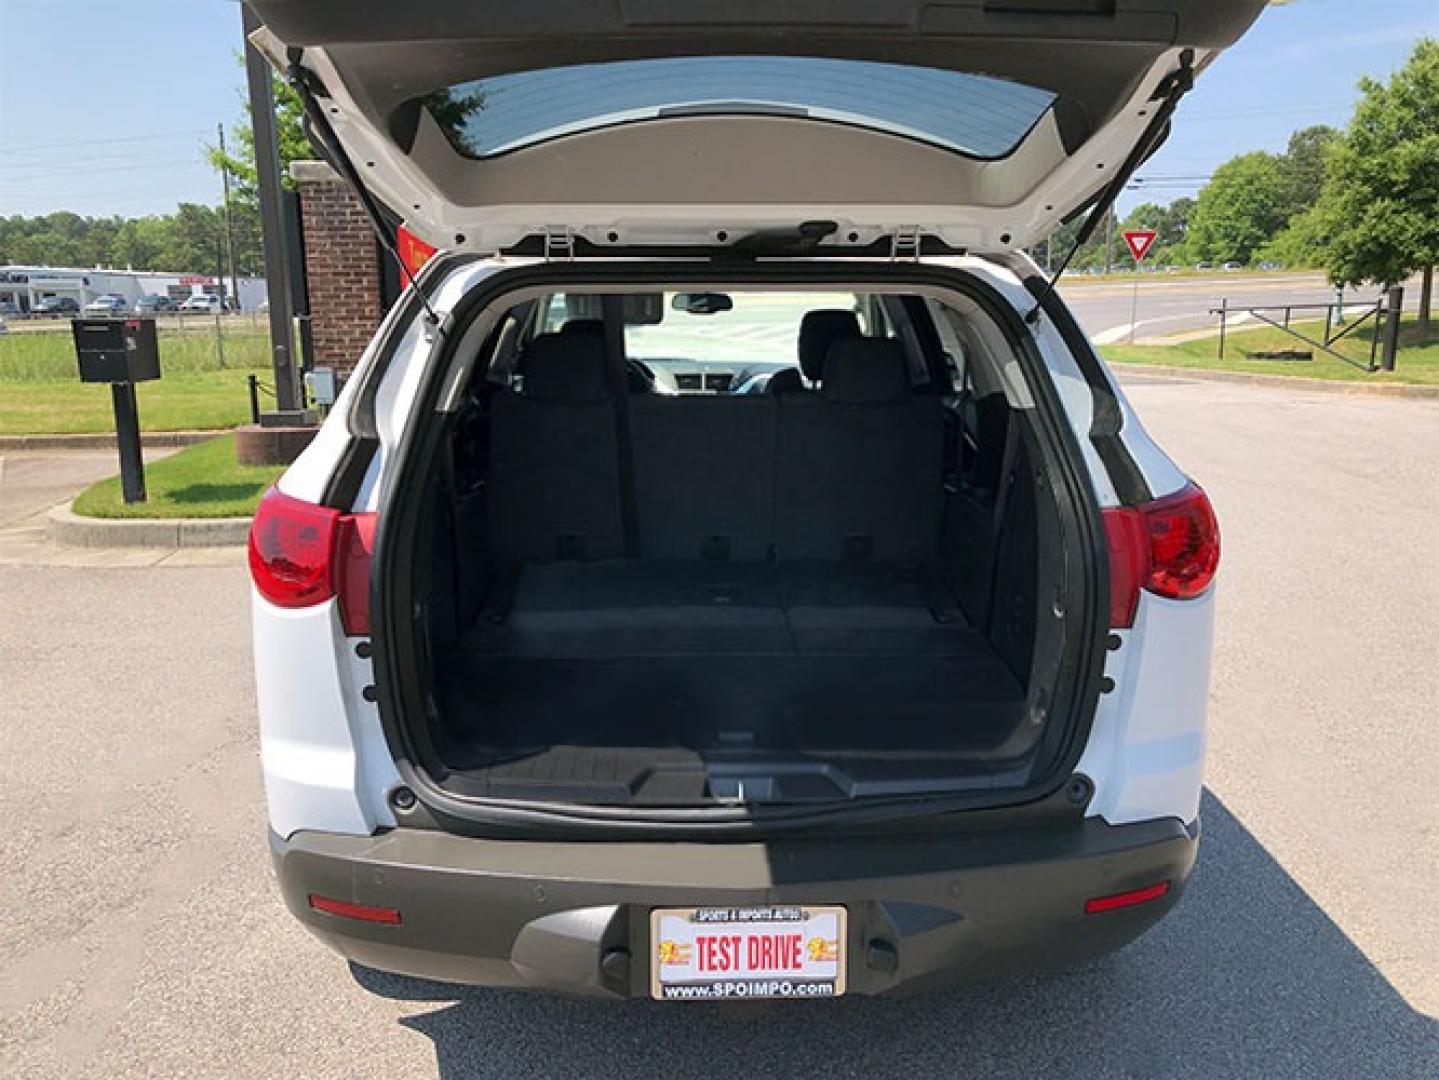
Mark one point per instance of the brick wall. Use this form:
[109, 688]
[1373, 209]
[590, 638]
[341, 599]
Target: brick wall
[342, 268]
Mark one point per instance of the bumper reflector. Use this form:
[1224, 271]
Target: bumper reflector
[1123, 899]
[345, 909]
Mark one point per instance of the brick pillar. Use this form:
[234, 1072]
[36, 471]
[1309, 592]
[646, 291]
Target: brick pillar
[342, 268]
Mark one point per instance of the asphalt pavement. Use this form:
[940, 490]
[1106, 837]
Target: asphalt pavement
[143, 936]
[1175, 305]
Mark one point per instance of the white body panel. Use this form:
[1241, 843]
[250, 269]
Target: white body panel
[326, 762]
[1146, 748]
[323, 753]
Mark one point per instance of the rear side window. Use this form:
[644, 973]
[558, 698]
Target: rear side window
[973, 115]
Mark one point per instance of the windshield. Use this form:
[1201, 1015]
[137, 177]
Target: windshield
[972, 114]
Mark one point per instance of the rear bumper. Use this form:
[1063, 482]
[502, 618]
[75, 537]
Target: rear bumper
[574, 917]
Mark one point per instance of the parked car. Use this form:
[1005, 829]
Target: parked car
[57, 306]
[10, 309]
[890, 677]
[155, 304]
[1231, 266]
[203, 304]
[108, 304]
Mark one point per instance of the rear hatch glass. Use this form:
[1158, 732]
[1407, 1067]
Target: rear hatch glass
[972, 114]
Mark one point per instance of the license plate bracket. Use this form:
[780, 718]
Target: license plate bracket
[745, 953]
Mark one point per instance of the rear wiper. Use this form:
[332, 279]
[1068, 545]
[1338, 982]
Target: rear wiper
[1175, 85]
[323, 135]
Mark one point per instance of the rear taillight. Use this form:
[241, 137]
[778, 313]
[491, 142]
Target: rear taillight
[1169, 546]
[302, 554]
[413, 251]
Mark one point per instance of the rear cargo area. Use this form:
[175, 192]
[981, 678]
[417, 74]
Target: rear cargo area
[689, 599]
[652, 681]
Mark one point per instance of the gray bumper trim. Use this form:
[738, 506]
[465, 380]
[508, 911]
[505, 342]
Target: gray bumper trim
[928, 910]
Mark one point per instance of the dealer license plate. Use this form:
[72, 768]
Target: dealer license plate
[709, 954]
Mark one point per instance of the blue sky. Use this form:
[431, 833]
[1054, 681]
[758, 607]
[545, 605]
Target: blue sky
[105, 105]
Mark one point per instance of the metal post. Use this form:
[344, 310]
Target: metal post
[219, 342]
[229, 221]
[1328, 324]
[1223, 322]
[1339, 305]
[254, 382]
[127, 439]
[277, 259]
[1394, 308]
[1134, 304]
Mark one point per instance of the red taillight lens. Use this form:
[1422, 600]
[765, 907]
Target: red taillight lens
[347, 910]
[302, 554]
[414, 252]
[356, 545]
[292, 546]
[1126, 899]
[1169, 546]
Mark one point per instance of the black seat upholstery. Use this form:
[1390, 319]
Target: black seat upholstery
[860, 465]
[818, 331]
[704, 475]
[852, 473]
[554, 488]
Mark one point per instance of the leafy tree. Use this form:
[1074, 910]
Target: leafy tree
[1304, 165]
[1241, 207]
[1378, 215]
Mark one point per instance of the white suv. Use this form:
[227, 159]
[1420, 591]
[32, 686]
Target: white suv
[730, 572]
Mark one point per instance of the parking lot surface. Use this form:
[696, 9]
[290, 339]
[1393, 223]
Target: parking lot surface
[143, 935]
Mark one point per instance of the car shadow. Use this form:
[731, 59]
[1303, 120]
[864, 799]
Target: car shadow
[1247, 977]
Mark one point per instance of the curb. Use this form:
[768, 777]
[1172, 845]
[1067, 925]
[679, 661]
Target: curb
[64, 526]
[104, 440]
[1290, 382]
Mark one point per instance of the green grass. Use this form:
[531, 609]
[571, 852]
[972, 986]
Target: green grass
[1416, 362]
[46, 352]
[200, 481]
[186, 401]
[41, 392]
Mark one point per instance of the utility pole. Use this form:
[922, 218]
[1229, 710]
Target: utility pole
[277, 257]
[1108, 238]
[229, 224]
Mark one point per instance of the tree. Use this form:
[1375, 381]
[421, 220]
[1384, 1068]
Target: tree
[1243, 206]
[1170, 224]
[1304, 166]
[1378, 215]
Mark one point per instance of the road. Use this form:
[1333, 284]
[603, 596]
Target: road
[143, 935]
[1174, 305]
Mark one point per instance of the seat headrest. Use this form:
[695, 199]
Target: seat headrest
[784, 381]
[866, 371]
[583, 326]
[566, 367]
[818, 330]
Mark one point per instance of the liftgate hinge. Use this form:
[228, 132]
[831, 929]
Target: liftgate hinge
[559, 244]
[904, 244]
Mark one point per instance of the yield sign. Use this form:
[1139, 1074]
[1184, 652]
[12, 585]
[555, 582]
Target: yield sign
[1140, 241]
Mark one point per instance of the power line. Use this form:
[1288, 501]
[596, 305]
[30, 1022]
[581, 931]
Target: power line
[21, 148]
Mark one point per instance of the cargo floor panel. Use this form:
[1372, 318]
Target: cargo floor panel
[653, 682]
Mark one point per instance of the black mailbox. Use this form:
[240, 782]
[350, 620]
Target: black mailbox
[116, 350]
